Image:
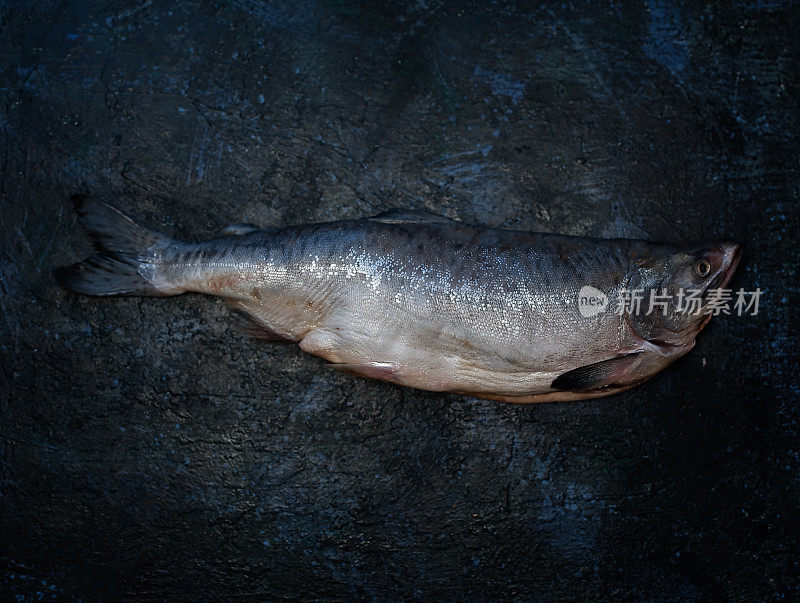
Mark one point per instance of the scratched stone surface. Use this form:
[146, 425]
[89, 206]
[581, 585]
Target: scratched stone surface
[149, 449]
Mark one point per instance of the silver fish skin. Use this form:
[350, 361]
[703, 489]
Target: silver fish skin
[424, 301]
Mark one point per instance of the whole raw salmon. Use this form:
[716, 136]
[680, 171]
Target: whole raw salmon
[424, 301]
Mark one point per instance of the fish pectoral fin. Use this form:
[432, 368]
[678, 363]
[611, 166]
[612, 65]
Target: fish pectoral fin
[253, 327]
[616, 371]
[372, 370]
[409, 216]
[237, 230]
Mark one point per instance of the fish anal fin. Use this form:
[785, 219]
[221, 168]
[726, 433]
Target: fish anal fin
[616, 371]
[237, 230]
[256, 329]
[384, 371]
[409, 216]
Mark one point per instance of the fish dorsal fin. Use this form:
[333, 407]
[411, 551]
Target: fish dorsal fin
[616, 371]
[409, 216]
[237, 230]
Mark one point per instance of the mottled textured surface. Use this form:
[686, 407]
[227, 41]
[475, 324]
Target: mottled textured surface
[148, 448]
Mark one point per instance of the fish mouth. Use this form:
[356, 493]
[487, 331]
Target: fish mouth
[732, 255]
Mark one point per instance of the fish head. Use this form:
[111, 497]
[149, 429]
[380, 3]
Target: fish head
[683, 284]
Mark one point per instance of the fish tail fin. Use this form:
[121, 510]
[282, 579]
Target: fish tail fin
[123, 262]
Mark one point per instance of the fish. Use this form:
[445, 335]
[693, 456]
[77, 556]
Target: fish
[423, 301]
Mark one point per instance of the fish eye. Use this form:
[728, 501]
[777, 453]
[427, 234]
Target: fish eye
[702, 267]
